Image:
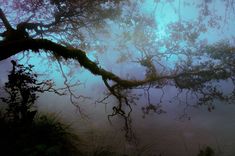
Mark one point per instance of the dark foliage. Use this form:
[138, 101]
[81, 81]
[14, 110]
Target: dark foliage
[22, 87]
[207, 151]
[21, 132]
[45, 137]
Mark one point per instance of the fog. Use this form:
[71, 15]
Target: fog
[184, 128]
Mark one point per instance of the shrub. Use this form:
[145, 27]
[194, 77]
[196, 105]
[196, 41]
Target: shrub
[21, 133]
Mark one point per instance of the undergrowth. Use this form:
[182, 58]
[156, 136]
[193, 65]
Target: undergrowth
[46, 136]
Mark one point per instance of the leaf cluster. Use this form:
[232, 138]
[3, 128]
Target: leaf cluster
[22, 88]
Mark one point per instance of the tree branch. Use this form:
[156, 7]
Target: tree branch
[10, 48]
[5, 21]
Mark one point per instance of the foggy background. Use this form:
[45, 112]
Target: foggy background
[181, 130]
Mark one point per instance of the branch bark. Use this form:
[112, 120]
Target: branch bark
[10, 48]
[13, 46]
[5, 21]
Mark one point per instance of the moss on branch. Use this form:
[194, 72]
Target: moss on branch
[10, 48]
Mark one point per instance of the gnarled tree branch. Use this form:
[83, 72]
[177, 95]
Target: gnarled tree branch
[5, 21]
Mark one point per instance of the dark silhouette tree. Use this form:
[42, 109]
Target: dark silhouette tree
[22, 133]
[23, 89]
